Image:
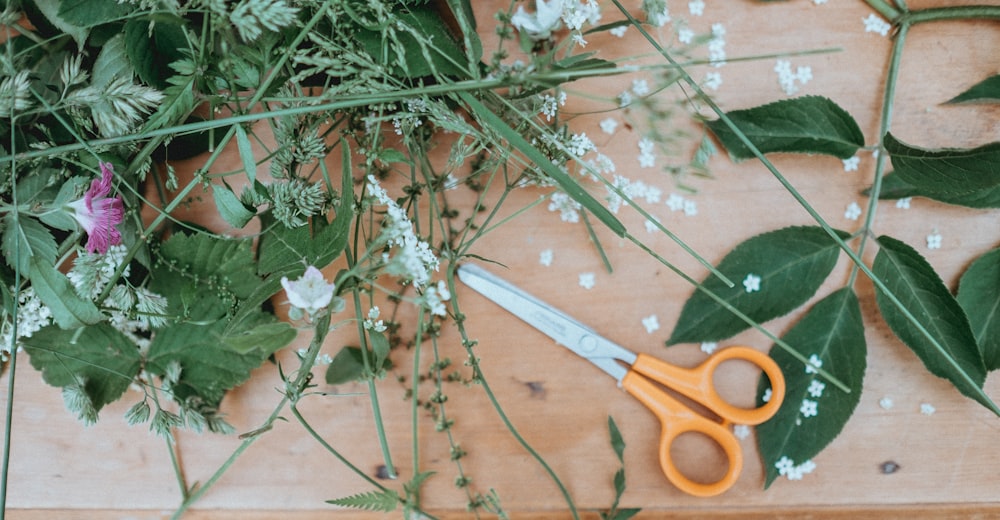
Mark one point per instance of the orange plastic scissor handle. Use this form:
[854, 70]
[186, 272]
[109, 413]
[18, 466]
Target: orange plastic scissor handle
[697, 384]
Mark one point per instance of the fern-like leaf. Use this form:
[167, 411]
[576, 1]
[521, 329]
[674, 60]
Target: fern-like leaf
[381, 501]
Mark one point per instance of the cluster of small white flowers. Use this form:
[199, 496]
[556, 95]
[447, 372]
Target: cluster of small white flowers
[631, 190]
[587, 280]
[904, 203]
[569, 209]
[551, 104]
[751, 283]
[791, 81]
[549, 16]
[619, 31]
[647, 157]
[601, 164]
[678, 202]
[575, 13]
[709, 346]
[934, 240]
[580, 144]
[875, 24]
[652, 323]
[851, 164]
[713, 80]
[434, 297]
[696, 7]
[372, 322]
[32, 315]
[91, 272]
[787, 468]
[717, 45]
[415, 260]
[410, 118]
[853, 211]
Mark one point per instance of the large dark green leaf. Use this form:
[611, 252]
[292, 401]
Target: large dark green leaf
[98, 356]
[209, 365]
[810, 124]
[987, 90]
[88, 13]
[152, 45]
[791, 264]
[26, 240]
[432, 51]
[834, 332]
[947, 345]
[894, 187]
[948, 170]
[979, 295]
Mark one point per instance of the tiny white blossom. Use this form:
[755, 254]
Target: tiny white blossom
[549, 107]
[751, 283]
[819, 2]
[808, 408]
[619, 31]
[903, 203]
[685, 35]
[609, 125]
[545, 257]
[741, 431]
[690, 208]
[814, 363]
[675, 202]
[766, 397]
[784, 465]
[580, 144]
[934, 240]
[434, 298]
[578, 39]
[310, 292]
[587, 280]
[651, 226]
[569, 209]
[709, 346]
[886, 403]
[696, 7]
[624, 99]
[539, 26]
[851, 164]
[927, 409]
[647, 160]
[713, 80]
[373, 323]
[853, 211]
[651, 323]
[875, 24]
[816, 388]
[640, 87]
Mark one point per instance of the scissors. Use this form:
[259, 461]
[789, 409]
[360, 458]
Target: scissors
[643, 375]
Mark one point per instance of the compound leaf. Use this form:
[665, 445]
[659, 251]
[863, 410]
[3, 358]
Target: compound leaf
[385, 501]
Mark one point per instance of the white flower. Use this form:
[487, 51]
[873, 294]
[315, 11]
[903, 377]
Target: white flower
[619, 31]
[886, 403]
[587, 280]
[569, 209]
[576, 12]
[934, 240]
[927, 409]
[741, 431]
[808, 408]
[651, 323]
[903, 203]
[675, 202]
[311, 292]
[814, 363]
[545, 257]
[751, 283]
[690, 208]
[784, 465]
[609, 125]
[685, 35]
[580, 144]
[713, 80]
[851, 164]
[373, 323]
[875, 24]
[709, 346]
[696, 7]
[539, 26]
[549, 107]
[640, 87]
[767, 396]
[816, 388]
[434, 298]
[853, 211]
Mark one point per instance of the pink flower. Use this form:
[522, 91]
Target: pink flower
[98, 214]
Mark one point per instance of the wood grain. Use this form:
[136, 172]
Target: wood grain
[948, 462]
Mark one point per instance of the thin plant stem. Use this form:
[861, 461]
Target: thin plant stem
[959, 12]
[333, 451]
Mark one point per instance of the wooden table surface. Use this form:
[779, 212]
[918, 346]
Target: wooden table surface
[949, 462]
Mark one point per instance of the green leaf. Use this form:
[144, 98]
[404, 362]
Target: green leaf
[832, 330]
[50, 9]
[432, 51]
[268, 335]
[979, 296]
[88, 13]
[347, 366]
[949, 171]
[894, 187]
[380, 347]
[946, 344]
[810, 124]
[317, 244]
[987, 90]
[246, 153]
[69, 310]
[26, 240]
[178, 102]
[567, 183]
[98, 356]
[230, 208]
[209, 367]
[152, 44]
[385, 501]
[617, 441]
[791, 264]
[111, 63]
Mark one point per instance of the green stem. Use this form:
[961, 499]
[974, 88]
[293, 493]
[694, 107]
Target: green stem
[960, 12]
[885, 124]
[885, 9]
[333, 451]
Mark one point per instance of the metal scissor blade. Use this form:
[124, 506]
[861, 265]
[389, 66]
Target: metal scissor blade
[557, 325]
